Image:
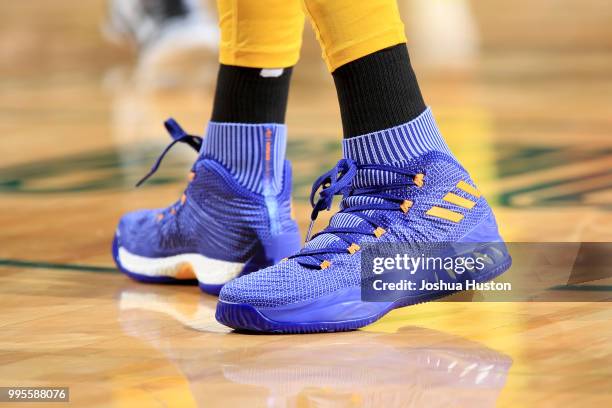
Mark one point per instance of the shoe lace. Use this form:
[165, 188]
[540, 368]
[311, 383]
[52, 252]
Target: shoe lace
[339, 181]
[178, 135]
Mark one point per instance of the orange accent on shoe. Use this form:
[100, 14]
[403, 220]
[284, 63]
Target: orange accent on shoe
[458, 200]
[445, 214]
[183, 198]
[173, 211]
[405, 206]
[191, 176]
[353, 248]
[268, 150]
[185, 271]
[378, 232]
[418, 179]
[462, 185]
[325, 264]
[160, 217]
[268, 144]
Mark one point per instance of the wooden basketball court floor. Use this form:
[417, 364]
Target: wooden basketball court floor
[522, 91]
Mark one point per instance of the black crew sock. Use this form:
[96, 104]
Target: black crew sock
[378, 91]
[244, 95]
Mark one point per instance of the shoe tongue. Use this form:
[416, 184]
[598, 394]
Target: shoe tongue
[402, 146]
[377, 178]
[363, 179]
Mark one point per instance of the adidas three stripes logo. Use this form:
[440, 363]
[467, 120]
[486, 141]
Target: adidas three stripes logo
[457, 200]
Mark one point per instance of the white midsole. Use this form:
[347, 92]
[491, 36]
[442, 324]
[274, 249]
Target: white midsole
[208, 270]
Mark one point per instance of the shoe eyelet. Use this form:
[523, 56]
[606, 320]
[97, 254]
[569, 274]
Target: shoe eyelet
[325, 264]
[379, 232]
[159, 217]
[183, 198]
[405, 206]
[353, 248]
[191, 176]
[418, 179]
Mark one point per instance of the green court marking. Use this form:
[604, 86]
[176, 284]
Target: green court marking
[516, 160]
[49, 265]
[560, 199]
[118, 170]
[112, 169]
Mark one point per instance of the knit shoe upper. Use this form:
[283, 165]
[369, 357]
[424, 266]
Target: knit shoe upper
[380, 199]
[215, 217]
[398, 186]
[230, 215]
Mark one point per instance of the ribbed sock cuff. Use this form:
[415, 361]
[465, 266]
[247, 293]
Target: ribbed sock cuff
[253, 153]
[397, 144]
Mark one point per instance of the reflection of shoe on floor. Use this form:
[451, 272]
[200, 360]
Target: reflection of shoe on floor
[161, 30]
[413, 367]
[184, 349]
[185, 339]
[177, 306]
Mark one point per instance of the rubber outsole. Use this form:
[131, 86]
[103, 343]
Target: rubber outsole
[211, 289]
[245, 317]
[148, 279]
[252, 265]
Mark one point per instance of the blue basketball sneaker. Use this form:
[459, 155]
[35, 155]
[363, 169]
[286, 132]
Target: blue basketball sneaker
[400, 185]
[233, 218]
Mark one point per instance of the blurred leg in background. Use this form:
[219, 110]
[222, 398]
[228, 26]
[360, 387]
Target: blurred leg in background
[161, 30]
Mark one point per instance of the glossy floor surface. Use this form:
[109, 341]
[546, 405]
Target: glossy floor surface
[522, 92]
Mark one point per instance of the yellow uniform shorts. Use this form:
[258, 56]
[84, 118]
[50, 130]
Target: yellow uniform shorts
[268, 33]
